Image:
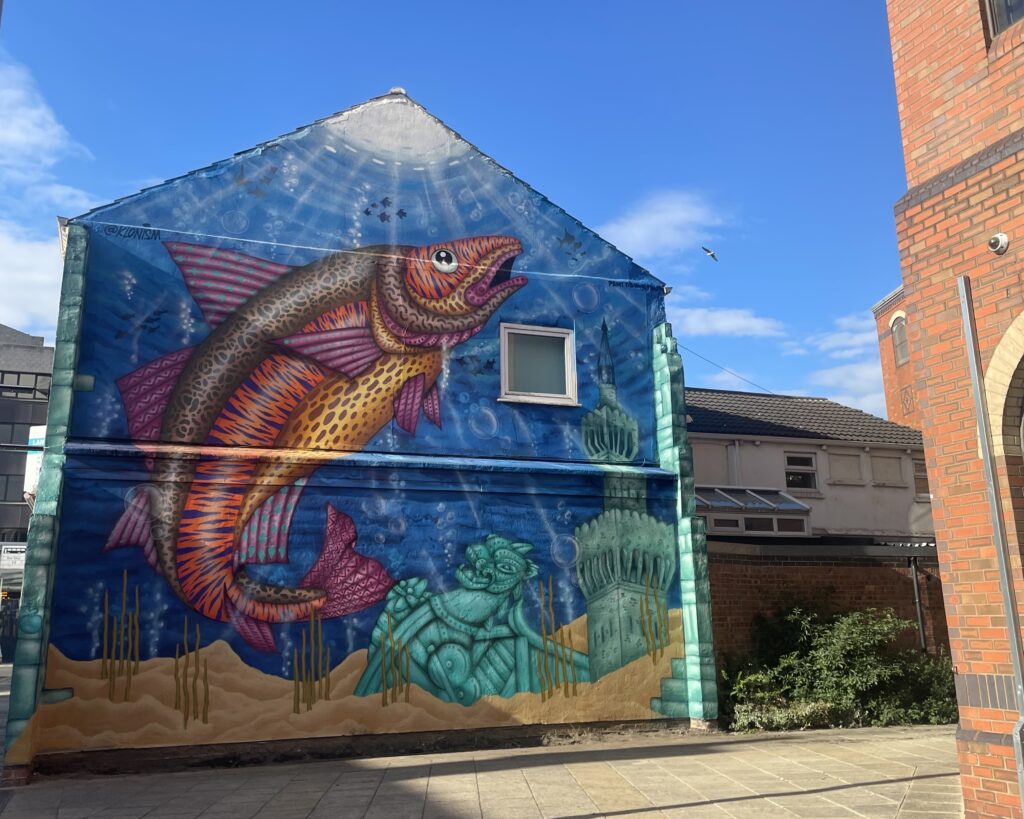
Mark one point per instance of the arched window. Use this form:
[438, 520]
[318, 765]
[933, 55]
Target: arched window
[900, 349]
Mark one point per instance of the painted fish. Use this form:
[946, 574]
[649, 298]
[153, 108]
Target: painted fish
[321, 356]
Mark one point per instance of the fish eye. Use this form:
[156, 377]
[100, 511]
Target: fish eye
[444, 261]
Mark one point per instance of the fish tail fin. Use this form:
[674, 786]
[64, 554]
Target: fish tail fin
[253, 606]
[135, 526]
[350, 581]
[255, 632]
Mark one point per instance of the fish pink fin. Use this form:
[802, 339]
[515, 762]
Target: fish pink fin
[352, 581]
[265, 537]
[349, 350]
[409, 402]
[254, 632]
[135, 526]
[222, 280]
[146, 391]
[432, 406]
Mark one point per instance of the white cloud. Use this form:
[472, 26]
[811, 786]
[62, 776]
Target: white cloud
[63, 199]
[726, 380]
[720, 321]
[856, 385]
[852, 336]
[32, 142]
[31, 138]
[662, 224]
[688, 292]
[31, 274]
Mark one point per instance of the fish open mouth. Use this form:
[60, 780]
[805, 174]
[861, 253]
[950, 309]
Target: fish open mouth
[501, 281]
[504, 272]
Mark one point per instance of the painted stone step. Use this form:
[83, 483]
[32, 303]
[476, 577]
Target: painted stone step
[674, 690]
[676, 710]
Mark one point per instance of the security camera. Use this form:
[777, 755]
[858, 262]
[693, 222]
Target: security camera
[999, 243]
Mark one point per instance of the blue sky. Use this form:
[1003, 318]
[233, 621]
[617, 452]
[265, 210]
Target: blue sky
[767, 131]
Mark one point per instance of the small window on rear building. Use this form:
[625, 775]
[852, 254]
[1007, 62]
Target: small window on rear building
[538, 365]
[900, 349]
[801, 471]
[921, 479]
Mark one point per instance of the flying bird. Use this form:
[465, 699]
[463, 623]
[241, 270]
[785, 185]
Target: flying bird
[710, 253]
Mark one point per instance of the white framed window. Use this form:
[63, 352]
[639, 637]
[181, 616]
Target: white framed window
[921, 490]
[538, 365]
[757, 526]
[801, 471]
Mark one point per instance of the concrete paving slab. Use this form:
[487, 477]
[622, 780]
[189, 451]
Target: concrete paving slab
[877, 773]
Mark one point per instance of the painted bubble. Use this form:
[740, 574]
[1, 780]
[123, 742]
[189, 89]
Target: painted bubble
[484, 423]
[234, 221]
[585, 296]
[565, 551]
[374, 507]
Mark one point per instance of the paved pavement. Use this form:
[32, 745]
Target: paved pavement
[905, 772]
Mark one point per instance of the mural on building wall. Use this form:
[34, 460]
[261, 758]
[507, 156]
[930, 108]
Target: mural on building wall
[291, 489]
[318, 357]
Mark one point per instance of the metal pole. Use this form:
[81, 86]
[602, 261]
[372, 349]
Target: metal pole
[998, 526]
[912, 564]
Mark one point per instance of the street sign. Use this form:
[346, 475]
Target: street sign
[12, 556]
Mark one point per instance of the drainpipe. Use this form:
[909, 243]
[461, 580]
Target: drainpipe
[912, 565]
[998, 526]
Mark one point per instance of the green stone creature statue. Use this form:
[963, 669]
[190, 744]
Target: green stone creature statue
[469, 642]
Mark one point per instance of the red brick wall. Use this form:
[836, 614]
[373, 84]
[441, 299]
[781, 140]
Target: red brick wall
[900, 394]
[955, 93]
[961, 100]
[941, 238]
[743, 587]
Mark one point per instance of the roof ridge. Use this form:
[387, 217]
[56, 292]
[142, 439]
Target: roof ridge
[760, 394]
[766, 414]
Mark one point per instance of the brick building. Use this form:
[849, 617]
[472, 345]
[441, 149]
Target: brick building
[894, 346]
[959, 71]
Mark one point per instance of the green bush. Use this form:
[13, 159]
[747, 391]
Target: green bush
[839, 671]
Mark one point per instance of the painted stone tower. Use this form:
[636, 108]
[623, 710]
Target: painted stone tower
[627, 557]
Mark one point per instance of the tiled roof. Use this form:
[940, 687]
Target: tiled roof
[726, 412]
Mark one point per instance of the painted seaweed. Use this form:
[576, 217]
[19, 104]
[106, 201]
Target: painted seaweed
[311, 667]
[119, 661]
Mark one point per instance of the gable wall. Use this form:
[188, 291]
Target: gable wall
[335, 556]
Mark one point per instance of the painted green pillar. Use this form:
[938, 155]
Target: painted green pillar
[698, 665]
[40, 557]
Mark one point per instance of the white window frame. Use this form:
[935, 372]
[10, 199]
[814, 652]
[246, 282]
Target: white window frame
[922, 473]
[713, 525]
[569, 398]
[810, 470]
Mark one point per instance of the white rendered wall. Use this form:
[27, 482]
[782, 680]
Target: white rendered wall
[842, 504]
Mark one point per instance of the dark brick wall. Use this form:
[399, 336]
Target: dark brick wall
[744, 586]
